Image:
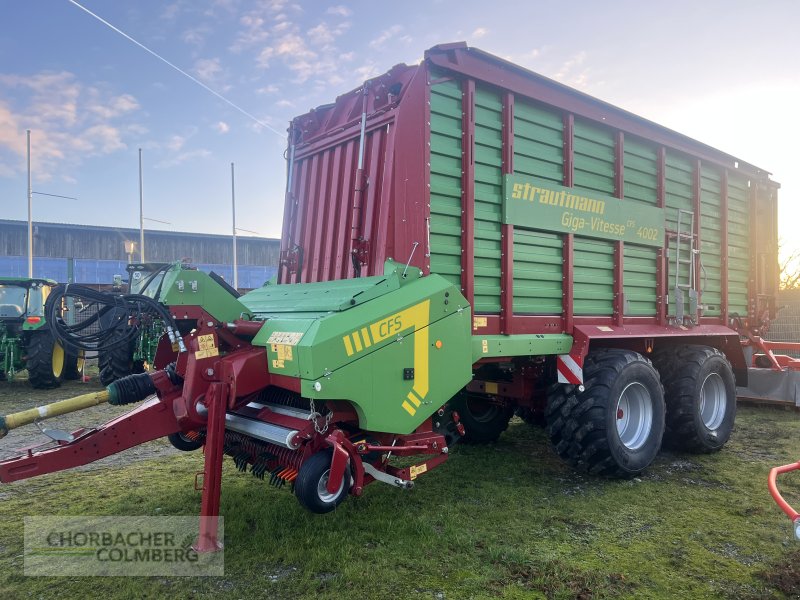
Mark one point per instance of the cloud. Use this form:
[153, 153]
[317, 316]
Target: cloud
[479, 32]
[340, 10]
[69, 121]
[389, 34]
[222, 127]
[195, 36]
[573, 72]
[182, 157]
[207, 69]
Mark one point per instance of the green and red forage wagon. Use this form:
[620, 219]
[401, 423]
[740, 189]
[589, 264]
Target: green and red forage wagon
[462, 240]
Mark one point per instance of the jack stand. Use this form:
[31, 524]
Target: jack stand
[216, 402]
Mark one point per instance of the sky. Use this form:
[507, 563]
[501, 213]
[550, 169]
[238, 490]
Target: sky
[724, 72]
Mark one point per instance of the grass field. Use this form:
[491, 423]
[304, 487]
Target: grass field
[507, 520]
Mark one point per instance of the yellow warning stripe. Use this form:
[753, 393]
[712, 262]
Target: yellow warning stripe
[347, 345]
[357, 341]
[413, 399]
[409, 409]
[365, 335]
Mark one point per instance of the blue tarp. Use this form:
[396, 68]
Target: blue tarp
[96, 271]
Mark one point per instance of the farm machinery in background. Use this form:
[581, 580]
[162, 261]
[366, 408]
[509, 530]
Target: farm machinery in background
[26, 343]
[137, 353]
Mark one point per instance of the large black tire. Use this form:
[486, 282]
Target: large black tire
[483, 418]
[614, 427]
[44, 360]
[73, 365]
[700, 392]
[309, 487]
[116, 363]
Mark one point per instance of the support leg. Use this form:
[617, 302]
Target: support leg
[217, 399]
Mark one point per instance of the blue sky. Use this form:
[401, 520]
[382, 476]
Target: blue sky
[725, 73]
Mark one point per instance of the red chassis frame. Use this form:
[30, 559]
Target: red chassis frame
[212, 386]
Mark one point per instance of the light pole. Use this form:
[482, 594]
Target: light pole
[141, 211]
[233, 209]
[30, 207]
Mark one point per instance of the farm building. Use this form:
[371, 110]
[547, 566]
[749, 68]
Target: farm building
[95, 254]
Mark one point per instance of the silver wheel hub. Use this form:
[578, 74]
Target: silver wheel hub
[322, 488]
[713, 401]
[634, 416]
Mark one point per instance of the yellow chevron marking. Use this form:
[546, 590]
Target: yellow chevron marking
[347, 345]
[409, 409]
[413, 399]
[357, 341]
[365, 336]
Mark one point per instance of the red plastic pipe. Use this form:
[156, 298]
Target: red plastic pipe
[776, 495]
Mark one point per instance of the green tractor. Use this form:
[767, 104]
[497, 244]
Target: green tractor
[26, 343]
[137, 355]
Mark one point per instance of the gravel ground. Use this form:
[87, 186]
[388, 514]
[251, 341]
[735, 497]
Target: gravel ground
[17, 395]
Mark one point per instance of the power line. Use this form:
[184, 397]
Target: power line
[178, 69]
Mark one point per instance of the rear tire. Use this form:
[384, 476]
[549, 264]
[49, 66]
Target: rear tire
[700, 392]
[483, 419]
[44, 360]
[116, 362]
[311, 482]
[614, 427]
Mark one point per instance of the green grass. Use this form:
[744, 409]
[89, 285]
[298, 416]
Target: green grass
[506, 520]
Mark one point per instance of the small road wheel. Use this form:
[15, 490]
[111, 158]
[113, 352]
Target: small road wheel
[311, 485]
[44, 360]
[700, 391]
[614, 427]
[186, 442]
[484, 418]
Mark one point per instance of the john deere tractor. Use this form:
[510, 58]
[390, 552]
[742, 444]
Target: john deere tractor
[25, 341]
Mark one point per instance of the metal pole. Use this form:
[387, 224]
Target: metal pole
[141, 211]
[30, 211]
[233, 208]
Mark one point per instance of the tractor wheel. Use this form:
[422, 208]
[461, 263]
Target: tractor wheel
[700, 392]
[310, 487]
[614, 427]
[483, 419]
[73, 365]
[44, 360]
[184, 442]
[116, 363]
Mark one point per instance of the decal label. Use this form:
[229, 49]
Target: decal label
[207, 347]
[289, 338]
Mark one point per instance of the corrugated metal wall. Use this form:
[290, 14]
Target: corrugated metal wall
[55, 240]
[738, 245]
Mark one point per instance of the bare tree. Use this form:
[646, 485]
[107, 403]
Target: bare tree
[790, 270]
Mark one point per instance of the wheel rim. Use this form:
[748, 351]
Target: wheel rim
[713, 401]
[322, 488]
[481, 410]
[57, 360]
[634, 416]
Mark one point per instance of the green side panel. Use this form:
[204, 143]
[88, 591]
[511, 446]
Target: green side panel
[594, 158]
[520, 345]
[446, 126]
[488, 199]
[538, 142]
[185, 287]
[679, 182]
[640, 281]
[538, 272]
[738, 245]
[593, 277]
[640, 172]
[710, 238]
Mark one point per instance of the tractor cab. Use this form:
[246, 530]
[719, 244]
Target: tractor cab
[22, 302]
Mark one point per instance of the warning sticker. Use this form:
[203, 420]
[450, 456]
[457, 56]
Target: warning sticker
[208, 353]
[204, 342]
[283, 351]
[289, 338]
[478, 322]
[417, 470]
